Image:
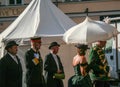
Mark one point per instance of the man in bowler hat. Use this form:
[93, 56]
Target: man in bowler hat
[10, 67]
[34, 64]
[53, 66]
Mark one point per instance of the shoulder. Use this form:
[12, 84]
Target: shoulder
[29, 51]
[6, 56]
[76, 60]
[48, 58]
[4, 59]
[49, 55]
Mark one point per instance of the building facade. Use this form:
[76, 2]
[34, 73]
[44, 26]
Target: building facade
[75, 9]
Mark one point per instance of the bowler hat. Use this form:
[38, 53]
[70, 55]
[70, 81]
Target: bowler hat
[53, 44]
[82, 46]
[10, 44]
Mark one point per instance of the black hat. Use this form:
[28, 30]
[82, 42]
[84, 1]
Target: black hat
[35, 38]
[10, 44]
[53, 44]
[82, 46]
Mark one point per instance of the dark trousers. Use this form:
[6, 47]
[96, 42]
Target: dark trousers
[101, 84]
[36, 85]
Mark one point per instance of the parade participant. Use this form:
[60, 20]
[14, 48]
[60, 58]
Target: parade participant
[53, 67]
[10, 67]
[80, 64]
[34, 64]
[100, 69]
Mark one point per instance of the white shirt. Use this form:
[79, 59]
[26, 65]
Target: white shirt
[56, 60]
[13, 57]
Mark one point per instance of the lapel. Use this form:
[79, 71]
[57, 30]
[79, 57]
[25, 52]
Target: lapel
[18, 60]
[59, 62]
[19, 64]
[58, 59]
[52, 60]
[10, 59]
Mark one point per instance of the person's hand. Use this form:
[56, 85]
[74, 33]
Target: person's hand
[59, 71]
[36, 61]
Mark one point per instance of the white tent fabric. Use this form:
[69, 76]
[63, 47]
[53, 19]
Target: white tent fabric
[40, 18]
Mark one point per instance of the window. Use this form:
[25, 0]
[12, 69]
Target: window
[83, 0]
[19, 1]
[72, 0]
[11, 1]
[14, 2]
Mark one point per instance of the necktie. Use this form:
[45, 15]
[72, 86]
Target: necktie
[18, 60]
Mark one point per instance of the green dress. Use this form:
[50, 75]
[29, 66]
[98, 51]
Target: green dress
[99, 65]
[78, 80]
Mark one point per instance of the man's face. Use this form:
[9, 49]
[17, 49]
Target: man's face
[13, 50]
[55, 49]
[37, 45]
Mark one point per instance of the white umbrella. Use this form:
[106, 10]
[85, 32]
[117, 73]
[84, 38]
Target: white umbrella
[89, 31]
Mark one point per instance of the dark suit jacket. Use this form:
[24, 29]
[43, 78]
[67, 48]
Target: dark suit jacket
[34, 73]
[10, 72]
[50, 68]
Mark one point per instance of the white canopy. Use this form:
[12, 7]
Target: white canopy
[40, 18]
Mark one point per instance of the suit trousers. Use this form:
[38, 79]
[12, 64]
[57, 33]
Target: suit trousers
[36, 85]
[101, 84]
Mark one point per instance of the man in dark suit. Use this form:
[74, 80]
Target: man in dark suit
[10, 67]
[53, 67]
[34, 64]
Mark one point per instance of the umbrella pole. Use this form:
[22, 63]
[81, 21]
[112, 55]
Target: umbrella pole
[86, 11]
[116, 50]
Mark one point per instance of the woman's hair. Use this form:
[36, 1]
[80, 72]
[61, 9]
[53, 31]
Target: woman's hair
[82, 48]
[81, 51]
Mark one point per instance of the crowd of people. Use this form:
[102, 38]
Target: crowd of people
[93, 71]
